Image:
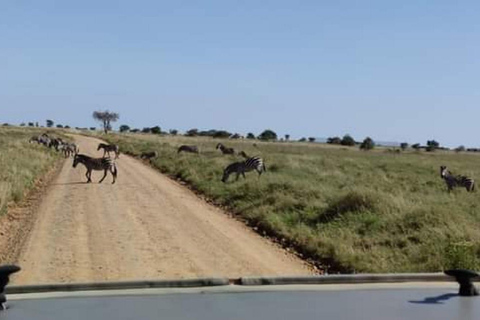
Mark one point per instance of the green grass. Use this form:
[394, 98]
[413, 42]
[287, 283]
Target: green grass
[348, 210]
[21, 163]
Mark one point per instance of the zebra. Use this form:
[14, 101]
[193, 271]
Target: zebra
[253, 163]
[149, 155]
[98, 164]
[191, 149]
[69, 149]
[456, 181]
[34, 139]
[224, 149]
[243, 154]
[107, 148]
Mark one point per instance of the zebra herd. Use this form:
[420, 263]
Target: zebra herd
[239, 168]
[56, 143]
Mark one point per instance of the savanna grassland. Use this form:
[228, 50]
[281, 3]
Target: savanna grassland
[347, 210]
[21, 162]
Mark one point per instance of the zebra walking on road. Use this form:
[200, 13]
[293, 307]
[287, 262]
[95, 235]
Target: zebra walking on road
[456, 181]
[191, 149]
[224, 149]
[253, 163]
[97, 164]
[107, 148]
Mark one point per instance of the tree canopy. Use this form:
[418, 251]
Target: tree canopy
[106, 118]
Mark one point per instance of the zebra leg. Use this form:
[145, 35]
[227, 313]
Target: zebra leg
[238, 176]
[88, 175]
[113, 170]
[104, 175]
[243, 174]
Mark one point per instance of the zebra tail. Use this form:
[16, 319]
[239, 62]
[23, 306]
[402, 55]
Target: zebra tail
[264, 168]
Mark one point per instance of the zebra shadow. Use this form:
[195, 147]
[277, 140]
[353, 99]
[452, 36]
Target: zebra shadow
[69, 183]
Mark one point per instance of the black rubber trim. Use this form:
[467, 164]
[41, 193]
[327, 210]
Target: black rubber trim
[346, 279]
[120, 285]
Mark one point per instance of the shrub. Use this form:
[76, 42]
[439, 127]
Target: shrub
[268, 135]
[124, 128]
[156, 130]
[146, 130]
[334, 140]
[460, 149]
[347, 140]
[302, 139]
[367, 144]
[192, 133]
[173, 132]
[432, 145]
[416, 146]
[250, 135]
[403, 146]
[31, 124]
[93, 128]
[59, 126]
[311, 139]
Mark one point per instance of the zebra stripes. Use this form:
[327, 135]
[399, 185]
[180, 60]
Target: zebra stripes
[97, 164]
[107, 148]
[456, 181]
[250, 164]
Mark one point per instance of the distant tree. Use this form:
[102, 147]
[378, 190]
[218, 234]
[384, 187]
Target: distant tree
[416, 146]
[250, 135]
[135, 130]
[50, 123]
[432, 145]
[268, 135]
[36, 124]
[367, 144]
[22, 124]
[303, 139]
[235, 136]
[106, 118]
[93, 128]
[347, 140]
[31, 124]
[68, 127]
[124, 128]
[192, 133]
[146, 130]
[403, 146]
[6, 124]
[311, 139]
[156, 130]
[460, 149]
[334, 140]
[59, 126]
[287, 137]
[173, 132]
[221, 134]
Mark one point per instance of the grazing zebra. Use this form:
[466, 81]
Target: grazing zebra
[224, 149]
[191, 149]
[456, 181]
[107, 148]
[243, 154]
[254, 163]
[149, 155]
[98, 164]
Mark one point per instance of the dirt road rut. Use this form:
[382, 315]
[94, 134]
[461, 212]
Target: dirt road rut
[145, 226]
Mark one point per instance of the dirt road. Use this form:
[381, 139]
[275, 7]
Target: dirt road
[145, 226]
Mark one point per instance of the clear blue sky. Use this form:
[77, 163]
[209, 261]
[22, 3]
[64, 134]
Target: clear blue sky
[392, 70]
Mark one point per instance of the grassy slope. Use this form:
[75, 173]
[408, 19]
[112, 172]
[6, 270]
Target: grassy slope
[21, 163]
[349, 210]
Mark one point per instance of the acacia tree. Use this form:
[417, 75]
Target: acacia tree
[106, 118]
